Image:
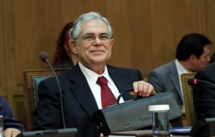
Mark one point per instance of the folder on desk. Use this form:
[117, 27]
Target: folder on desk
[66, 132]
[133, 133]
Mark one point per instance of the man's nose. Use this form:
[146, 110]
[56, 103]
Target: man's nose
[97, 41]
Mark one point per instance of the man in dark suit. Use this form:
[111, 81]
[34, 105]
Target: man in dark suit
[92, 41]
[204, 93]
[192, 55]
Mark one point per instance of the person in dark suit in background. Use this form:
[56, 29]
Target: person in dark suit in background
[192, 55]
[64, 57]
[204, 93]
[92, 41]
[12, 127]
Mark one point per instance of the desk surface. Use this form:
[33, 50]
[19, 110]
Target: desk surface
[146, 133]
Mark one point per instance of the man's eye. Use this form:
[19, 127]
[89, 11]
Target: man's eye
[88, 37]
[104, 37]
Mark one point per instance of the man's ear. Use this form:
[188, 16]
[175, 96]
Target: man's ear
[72, 46]
[192, 58]
[66, 46]
[112, 42]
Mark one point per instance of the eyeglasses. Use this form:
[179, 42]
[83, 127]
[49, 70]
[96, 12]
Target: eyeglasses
[92, 38]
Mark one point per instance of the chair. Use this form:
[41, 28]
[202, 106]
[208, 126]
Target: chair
[32, 79]
[188, 99]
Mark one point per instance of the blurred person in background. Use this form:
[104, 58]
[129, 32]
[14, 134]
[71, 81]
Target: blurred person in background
[204, 93]
[192, 55]
[64, 57]
[12, 127]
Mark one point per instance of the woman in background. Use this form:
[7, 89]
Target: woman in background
[64, 57]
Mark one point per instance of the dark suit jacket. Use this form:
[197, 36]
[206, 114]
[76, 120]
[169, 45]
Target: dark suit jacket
[78, 100]
[165, 78]
[9, 120]
[204, 93]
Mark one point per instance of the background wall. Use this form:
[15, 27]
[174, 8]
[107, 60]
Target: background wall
[146, 34]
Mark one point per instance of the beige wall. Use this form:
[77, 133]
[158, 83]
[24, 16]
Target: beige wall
[146, 33]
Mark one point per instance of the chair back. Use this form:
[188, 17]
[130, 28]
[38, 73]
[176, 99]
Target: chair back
[32, 79]
[188, 99]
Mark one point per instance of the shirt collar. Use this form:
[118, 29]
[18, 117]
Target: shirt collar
[92, 76]
[180, 68]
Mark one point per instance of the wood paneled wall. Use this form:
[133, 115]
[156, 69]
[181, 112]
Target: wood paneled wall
[146, 34]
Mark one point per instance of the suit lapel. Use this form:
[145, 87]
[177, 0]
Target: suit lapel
[175, 79]
[121, 82]
[82, 92]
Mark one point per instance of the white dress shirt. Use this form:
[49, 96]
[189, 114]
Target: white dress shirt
[92, 77]
[181, 70]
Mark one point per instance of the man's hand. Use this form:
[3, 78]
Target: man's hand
[11, 132]
[142, 88]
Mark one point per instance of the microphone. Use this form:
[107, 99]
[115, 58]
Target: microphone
[194, 81]
[44, 57]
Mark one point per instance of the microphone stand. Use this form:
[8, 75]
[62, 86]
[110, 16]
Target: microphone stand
[59, 88]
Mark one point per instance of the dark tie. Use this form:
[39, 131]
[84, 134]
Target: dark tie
[106, 94]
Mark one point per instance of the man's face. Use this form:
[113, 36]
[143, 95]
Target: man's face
[94, 44]
[201, 62]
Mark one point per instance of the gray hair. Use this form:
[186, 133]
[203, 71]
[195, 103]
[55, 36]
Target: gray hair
[87, 17]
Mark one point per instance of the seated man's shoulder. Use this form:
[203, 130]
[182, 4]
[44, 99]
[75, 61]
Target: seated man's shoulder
[164, 67]
[63, 76]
